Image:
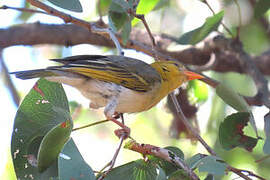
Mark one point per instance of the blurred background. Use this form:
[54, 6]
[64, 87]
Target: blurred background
[97, 144]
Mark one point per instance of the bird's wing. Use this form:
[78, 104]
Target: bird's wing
[128, 72]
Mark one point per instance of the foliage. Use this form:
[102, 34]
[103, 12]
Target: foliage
[198, 34]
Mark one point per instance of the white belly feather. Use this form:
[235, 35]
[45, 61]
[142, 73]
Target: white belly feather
[100, 93]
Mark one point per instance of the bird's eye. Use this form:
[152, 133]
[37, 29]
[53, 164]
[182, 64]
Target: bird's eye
[176, 64]
[165, 69]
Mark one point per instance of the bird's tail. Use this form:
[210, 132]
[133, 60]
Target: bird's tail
[34, 73]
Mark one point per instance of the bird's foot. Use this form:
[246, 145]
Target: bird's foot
[124, 132]
[116, 115]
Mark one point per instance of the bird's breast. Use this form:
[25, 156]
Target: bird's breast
[100, 93]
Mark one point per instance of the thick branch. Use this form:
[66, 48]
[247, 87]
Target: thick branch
[247, 64]
[69, 35]
[34, 34]
[148, 149]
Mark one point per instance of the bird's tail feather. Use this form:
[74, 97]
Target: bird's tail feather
[34, 73]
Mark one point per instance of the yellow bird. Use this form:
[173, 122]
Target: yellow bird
[118, 83]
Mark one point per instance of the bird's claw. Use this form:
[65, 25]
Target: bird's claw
[116, 115]
[124, 132]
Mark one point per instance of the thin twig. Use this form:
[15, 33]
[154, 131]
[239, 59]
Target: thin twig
[153, 42]
[188, 125]
[147, 149]
[211, 9]
[194, 132]
[7, 80]
[240, 173]
[24, 9]
[89, 125]
[112, 162]
[141, 17]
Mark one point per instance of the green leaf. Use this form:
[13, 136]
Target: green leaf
[161, 175]
[261, 7]
[179, 174]
[236, 101]
[35, 117]
[139, 170]
[126, 31]
[165, 165]
[114, 7]
[229, 96]
[71, 164]
[178, 152]
[117, 17]
[52, 144]
[199, 90]
[144, 7]
[211, 165]
[72, 5]
[210, 177]
[231, 133]
[123, 4]
[116, 20]
[195, 160]
[266, 146]
[198, 34]
[103, 6]
[73, 105]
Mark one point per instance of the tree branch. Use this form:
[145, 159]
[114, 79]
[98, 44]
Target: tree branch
[147, 149]
[247, 64]
[70, 35]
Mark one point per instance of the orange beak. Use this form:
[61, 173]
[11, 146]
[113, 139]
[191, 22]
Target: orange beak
[192, 75]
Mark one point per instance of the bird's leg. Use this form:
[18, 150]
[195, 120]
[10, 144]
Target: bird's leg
[111, 115]
[125, 131]
[122, 134]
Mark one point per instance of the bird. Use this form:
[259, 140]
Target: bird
[119, 83]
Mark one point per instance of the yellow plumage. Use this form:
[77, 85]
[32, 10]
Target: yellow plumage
[118, 83]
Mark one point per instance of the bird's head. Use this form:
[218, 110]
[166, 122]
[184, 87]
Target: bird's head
[174, 73]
